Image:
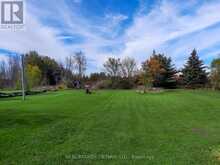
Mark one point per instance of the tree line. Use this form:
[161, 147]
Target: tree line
[159, 71]
[41, 70]
[156, 71]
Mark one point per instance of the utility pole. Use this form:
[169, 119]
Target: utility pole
[22, 77]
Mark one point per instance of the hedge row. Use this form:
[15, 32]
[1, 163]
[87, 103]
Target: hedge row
[15, 94]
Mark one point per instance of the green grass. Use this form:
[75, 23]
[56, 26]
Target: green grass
[111, 127]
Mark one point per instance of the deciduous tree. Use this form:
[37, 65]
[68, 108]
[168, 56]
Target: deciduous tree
[50, 69]
[112, 67]
[215, 73]
[113, 70]
[128, 66]
[160, 71]
[80, 63]
[33, 74]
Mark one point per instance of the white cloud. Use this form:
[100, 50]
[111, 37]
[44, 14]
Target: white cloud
[115, 19]
[165, 22]
[34, 37]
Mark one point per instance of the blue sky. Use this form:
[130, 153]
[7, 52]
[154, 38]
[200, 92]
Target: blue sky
[117, 28]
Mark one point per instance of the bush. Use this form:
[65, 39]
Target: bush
[124, 83]
[104, 84]
[61, 87]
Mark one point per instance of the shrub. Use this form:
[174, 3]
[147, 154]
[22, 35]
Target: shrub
[125, 83]
[104, 84]
[61, 87]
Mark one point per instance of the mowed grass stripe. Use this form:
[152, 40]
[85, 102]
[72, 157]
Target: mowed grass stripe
[174, 127]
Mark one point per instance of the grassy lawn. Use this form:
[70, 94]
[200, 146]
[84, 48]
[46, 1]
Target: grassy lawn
[111, 127]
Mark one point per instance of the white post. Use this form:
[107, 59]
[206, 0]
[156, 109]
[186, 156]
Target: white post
[22, 77]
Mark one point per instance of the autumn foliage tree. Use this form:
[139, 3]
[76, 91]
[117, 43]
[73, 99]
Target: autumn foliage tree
[151, 69]
[159, 71]
[50, 69]
[33, 74]
[215, 74]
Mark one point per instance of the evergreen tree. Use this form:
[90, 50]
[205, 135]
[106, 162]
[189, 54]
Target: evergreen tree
[169, 80]
[161, 69]
[194, 73]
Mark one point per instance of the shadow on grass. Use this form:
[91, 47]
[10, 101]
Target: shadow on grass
[11, 99]
[27, 120]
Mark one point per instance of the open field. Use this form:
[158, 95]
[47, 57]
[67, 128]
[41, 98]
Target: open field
[111, 127]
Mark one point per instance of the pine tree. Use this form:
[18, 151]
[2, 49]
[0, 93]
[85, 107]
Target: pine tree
[169, 74]
[161, 70]
[194, 73]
